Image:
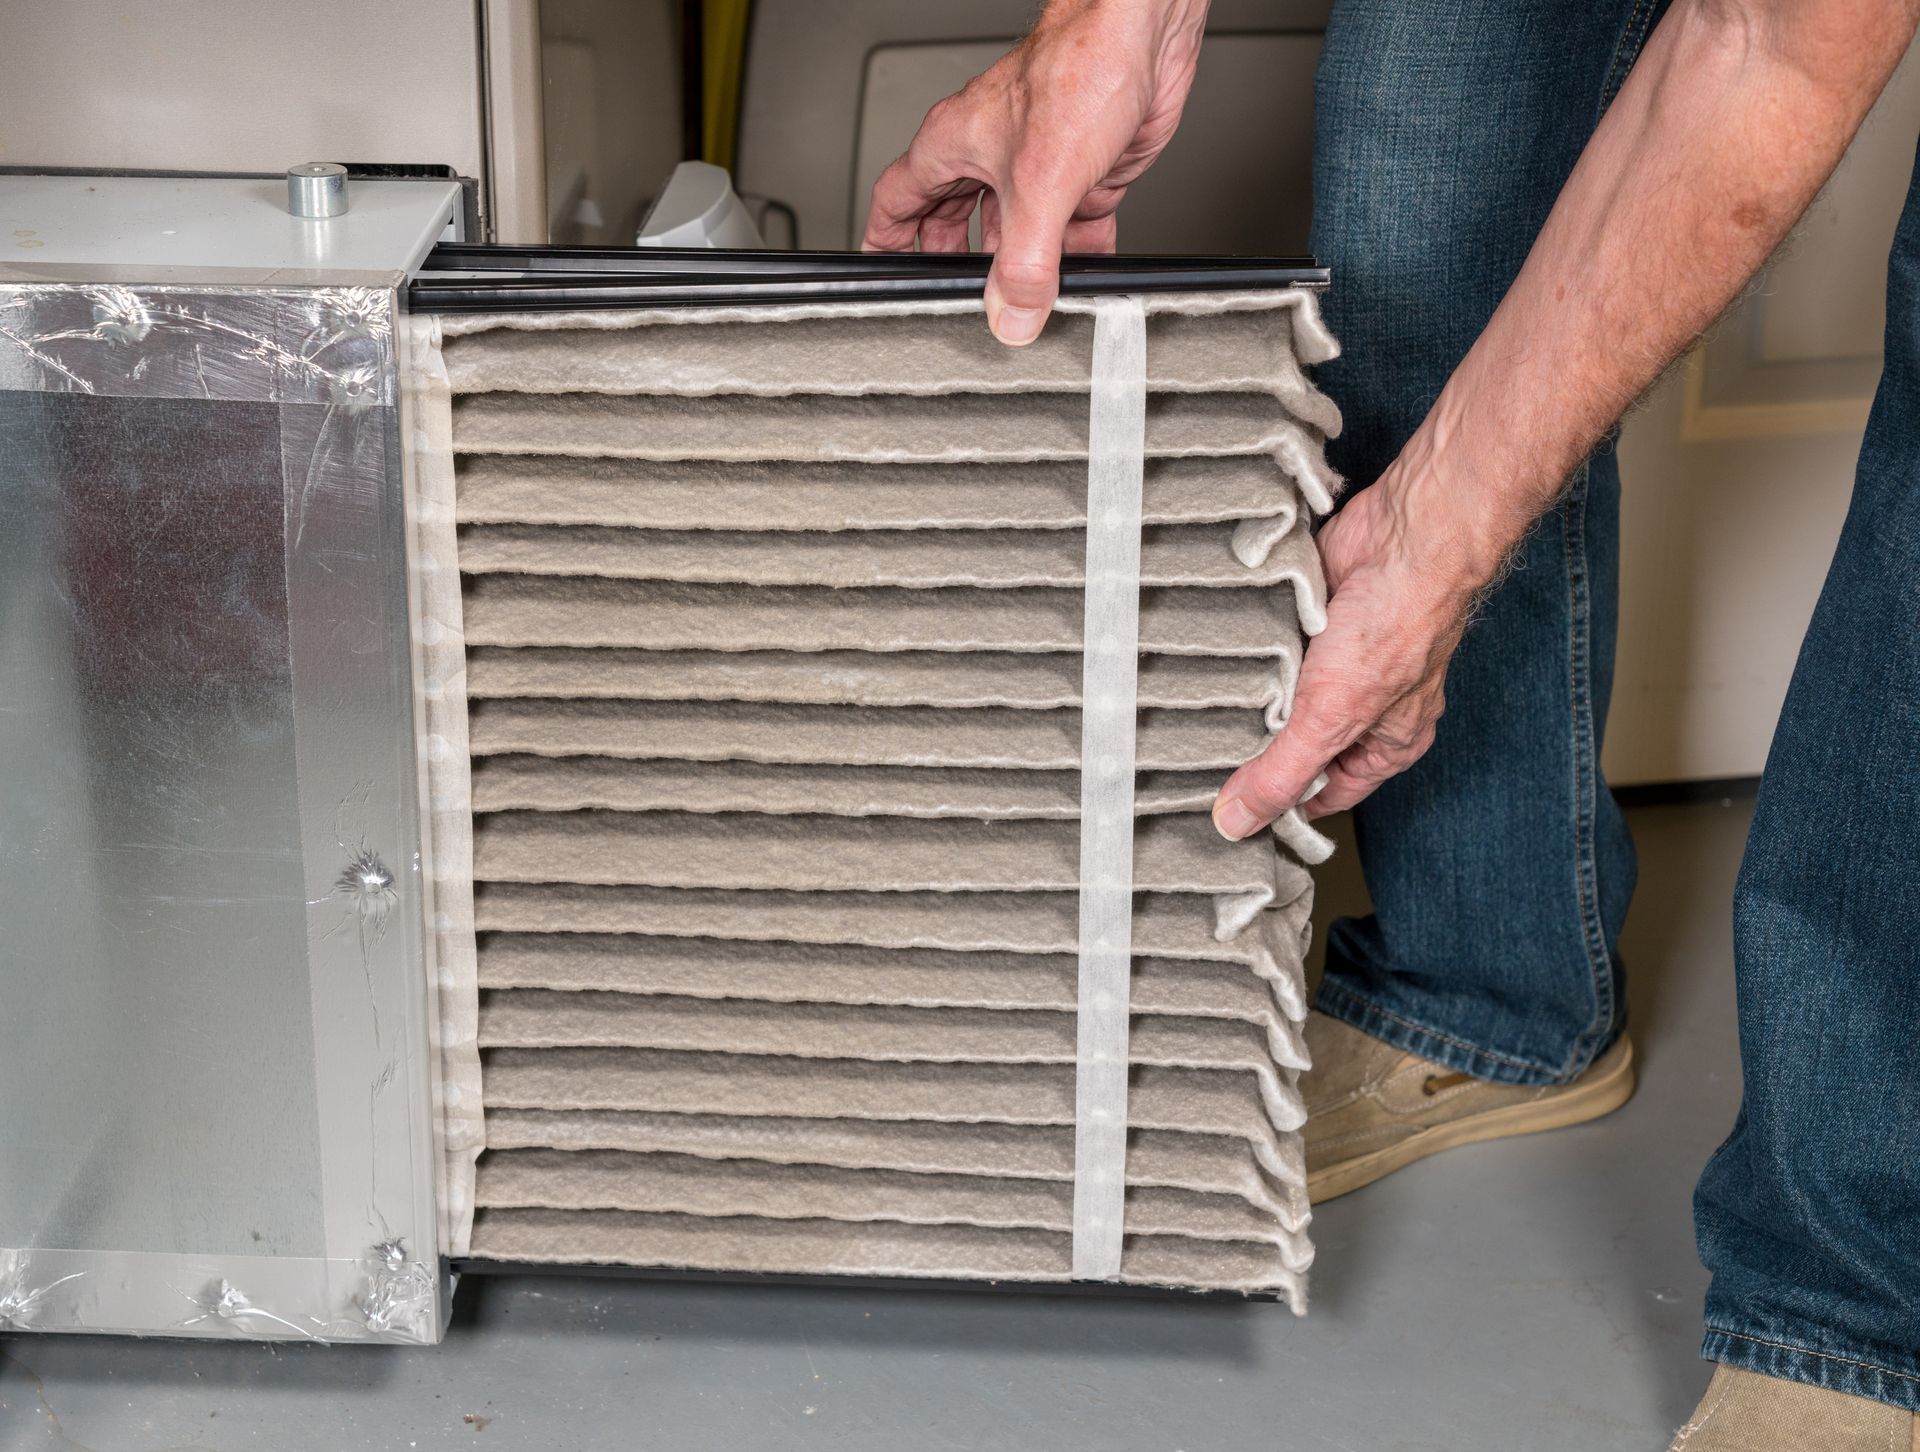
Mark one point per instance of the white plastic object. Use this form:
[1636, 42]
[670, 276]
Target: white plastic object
[698, 208]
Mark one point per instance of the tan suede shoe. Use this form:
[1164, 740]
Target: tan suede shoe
[1744, 1411]
[1372, 1108]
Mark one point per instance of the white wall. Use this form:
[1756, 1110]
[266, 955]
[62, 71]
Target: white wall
[259, 86]
[1737, 472]
[612, 113]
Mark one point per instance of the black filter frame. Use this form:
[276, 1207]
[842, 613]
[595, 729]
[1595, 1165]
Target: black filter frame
[467, 278]
[483, 278]
[1116, 1290]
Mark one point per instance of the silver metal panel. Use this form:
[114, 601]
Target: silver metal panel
[149, 851]
[214, 1046]
[145, 223]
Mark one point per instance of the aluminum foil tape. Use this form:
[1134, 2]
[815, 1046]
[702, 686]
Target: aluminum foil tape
[274, 345]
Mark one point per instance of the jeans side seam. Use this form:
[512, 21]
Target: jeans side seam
[1864, 1365]
[1585, 775]
[1367, 1005]
[1628, 50]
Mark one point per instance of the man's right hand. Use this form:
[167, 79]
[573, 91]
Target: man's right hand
[1405, 560]
[1046, 142]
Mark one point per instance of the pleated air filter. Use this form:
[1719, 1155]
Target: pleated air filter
[838, 698]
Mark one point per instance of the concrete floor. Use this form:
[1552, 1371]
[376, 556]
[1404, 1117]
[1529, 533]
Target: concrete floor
[1509, 1297]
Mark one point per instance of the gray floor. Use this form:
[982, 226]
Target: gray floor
[1511, 1297]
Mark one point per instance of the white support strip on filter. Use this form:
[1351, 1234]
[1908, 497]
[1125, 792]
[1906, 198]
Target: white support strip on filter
[1116, 443]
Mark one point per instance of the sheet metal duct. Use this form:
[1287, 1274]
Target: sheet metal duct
[216, 1049]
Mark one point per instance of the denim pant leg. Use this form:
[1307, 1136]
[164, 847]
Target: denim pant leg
[1809, 1214]
[1499, 866]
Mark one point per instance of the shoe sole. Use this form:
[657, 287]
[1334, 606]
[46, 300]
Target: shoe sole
[1592, 1096]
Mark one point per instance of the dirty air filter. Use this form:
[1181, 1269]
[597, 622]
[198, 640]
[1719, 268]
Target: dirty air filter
[804, 944]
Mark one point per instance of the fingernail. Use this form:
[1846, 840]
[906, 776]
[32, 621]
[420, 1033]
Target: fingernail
[1233, 820]
[1016, 327]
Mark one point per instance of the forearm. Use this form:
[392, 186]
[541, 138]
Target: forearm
[1723, 133]
[1165, 31]
[1125, 17]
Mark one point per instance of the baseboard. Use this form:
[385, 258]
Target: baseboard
[1668, 793]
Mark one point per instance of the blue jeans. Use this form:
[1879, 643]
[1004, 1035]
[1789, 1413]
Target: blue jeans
[1500, 866]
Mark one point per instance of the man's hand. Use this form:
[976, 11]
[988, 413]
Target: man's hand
[1405, 562]
[1046, 142]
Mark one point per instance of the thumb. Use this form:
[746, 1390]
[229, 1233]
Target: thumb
[1025, 278]
[1279, 777]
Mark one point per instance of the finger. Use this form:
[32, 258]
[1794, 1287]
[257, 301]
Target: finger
[944, 228]
[1279, 777]
[935, 164]
[893, 211]
[1331, 538]
[939, 234]
[1345, 790]
[989, 222]
[1093, 234]
[1368, 764]
[1026, 265]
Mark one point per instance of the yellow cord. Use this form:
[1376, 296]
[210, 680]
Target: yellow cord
[724, 46]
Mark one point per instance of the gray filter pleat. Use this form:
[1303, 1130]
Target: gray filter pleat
[788, 972]
[882, 1249]
[1203, 1163]
[776, 706]
[1233, 353]
[645, 614]
[840, 854]
[967, 428]
[868, 678]
[533, 783]
[848, 735]
[684, 1185]
[697, 494]
[541, 1018]
[1178, 1100]
[1165, 925]
[1201, 555]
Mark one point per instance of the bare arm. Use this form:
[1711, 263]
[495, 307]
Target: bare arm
[1732, 120]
